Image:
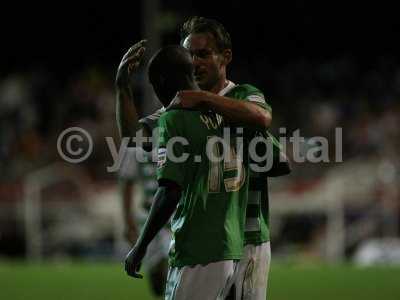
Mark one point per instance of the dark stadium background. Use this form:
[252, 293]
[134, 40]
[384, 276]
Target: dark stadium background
[71, 35]
[321, 65]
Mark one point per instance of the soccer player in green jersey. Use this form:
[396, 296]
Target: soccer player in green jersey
[211, 50]
[209, 43]
[210, 196]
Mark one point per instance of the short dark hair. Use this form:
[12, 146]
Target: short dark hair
[203, 25]
[168, 70]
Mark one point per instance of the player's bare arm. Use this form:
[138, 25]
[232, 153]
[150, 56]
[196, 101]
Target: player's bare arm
[165, 201]
[126, 113]
[237, 112]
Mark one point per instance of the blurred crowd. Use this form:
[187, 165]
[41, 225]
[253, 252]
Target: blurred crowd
[313, 96]
[35, 108]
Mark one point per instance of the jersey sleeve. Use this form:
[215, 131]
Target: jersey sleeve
[151, 121]
[129, 167]
[172, 148]
[254, 95]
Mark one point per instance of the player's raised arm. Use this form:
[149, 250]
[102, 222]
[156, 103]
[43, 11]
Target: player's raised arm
[126, 113]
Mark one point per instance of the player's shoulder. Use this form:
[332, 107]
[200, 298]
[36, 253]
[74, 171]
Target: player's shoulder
[177, 118]
[250, 93]
[180, 114]
[246, 89]
[150, 122]
[171, 115]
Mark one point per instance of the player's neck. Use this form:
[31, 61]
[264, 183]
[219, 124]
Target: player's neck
[220, 85]
[193, 86]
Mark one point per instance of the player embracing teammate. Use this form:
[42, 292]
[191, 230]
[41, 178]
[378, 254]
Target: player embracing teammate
[220, 243]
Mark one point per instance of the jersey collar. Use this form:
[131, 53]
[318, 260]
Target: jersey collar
[227, 89]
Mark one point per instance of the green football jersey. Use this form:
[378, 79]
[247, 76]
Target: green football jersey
[257, 212]
[208, 224]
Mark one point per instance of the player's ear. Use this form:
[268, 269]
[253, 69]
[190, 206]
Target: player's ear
[227, 56]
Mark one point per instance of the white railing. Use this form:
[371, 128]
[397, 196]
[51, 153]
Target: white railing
[102, 208]
[352, 184]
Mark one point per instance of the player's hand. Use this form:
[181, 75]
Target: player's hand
[129, 63]
[190, 100]
[133, 261]
[131, 233]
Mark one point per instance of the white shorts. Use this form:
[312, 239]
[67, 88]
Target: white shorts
[201, 282]
[253, 269]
